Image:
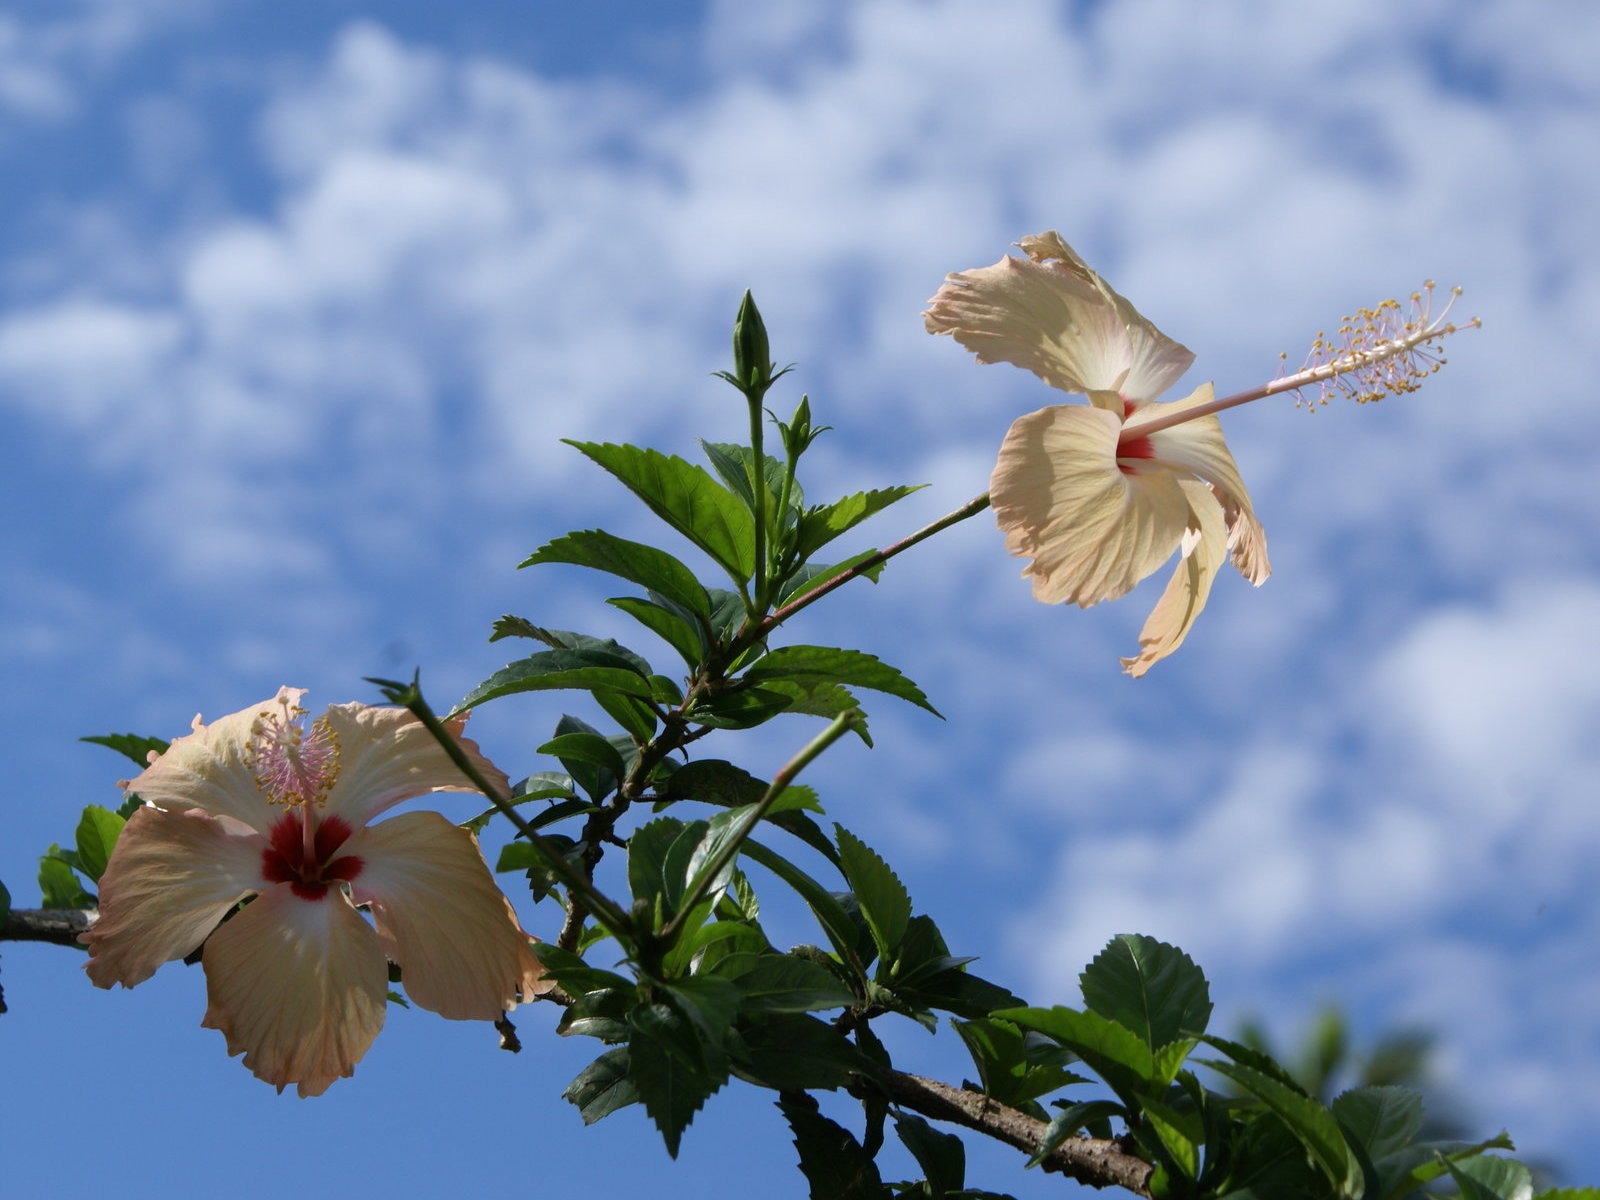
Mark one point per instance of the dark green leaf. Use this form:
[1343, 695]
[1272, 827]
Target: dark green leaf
[652, 569]
[5, 906]
[732, 464]
[1403, 1172]
[833, 1162]
[941, 1156]
[849, 667]
[1179, 1132]
[672, 623]
[58, 883]
[714, 781]
[1149, 987]
[1269, 1163]
[818, 698]
[552, 670]
[671, 1084]
[591, 748]
[744, 708]
[97, 833]
[782, 983]
[565, 639]
[1308, 1120]
[534, 788]
[602, 1013]
[131, 745]
[810, 576]
[883, 898]
[1007, 1073]
[648, 875]
[573, 974]
[1068, 1121]
[593, 770]
[822, 524]
[1255, 1059]
[602, 1087]
[794, 1052]
[830, 914]
[1380, 1120]
[687, 498]
[1108, 1048]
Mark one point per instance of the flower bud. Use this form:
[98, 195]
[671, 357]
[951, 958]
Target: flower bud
[752, 356]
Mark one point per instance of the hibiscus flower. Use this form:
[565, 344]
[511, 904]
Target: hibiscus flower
[1096, 495]
[260, 807]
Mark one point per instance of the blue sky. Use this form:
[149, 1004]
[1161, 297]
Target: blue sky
[297, 300]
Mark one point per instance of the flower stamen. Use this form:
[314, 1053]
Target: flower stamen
[290, 764]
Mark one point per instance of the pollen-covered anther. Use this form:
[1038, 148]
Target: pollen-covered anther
[1378, 352]
[290, 764]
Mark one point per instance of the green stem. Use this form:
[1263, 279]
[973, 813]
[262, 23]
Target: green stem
[971, 508]
[758, 490]
[729, 850]
[597, 902]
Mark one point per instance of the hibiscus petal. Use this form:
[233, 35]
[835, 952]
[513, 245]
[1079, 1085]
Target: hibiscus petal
[1092, 529]
[1052, 315]
[208, 770]
[441, 917]
[386, 755]
[1203, 549]
[1197, 446]
[172, 877]
[298, 987]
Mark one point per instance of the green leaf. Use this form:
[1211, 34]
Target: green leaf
[1008, 1073]
[1107, 1048]
[819, 698]
[565, 639]
[808, 577]
[602, 1087]
[833, 1162]
[820, 525]
[1254, 1059]
[553, 670]
[652, 569]
[1380, 1120]
[1572, 1193]
[715, 781]
[883, 898]
[849, 667]
[672, 623]
[1404, 1171]
[575, 975]
[794, 1052]
[58, 883]
[742, 708]
[732, 464]
[782, 983]
[541, 785]
[831, 915]
[584, 747]
[97, 833]
[1487, 1177]
[687, 498]
[1149, 987]
[942, 1156]
[1068, 1121]
[648, 875]
[1180, 1132]
[5, 906]
[592, 768]
[1309, 1121]
[131, 745]
[671, 1083]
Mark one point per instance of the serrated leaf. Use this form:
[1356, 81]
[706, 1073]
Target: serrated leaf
[794, 1052]
[97, 833]
[820, 525]
[1380, 1120]
[808, 577]
[131, 745]
[1180, 1132]
[942, 1156]
[671, 1085]
[853, 668]
[648, 848]
[743, 708]
[878, 890]
[1255, 1059]
[584, 747]
[687, 498]
[1308, 1120]
[1404, 1171]
[1487, 1177]
[1149, 987]
[819, 698]
[652, 569]
[831, 915]
[1005, 1070]
[715, 781]
[732, 465]
[1107, 1048]
[557, 670]
[602, 1087]
[833, 1162]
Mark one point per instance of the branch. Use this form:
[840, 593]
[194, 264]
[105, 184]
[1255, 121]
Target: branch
[1093, 1161]
[60, 926]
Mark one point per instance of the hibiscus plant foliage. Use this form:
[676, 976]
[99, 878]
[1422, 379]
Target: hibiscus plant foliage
[671, 971]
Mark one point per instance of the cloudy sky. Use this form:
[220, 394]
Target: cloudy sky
[297, 300]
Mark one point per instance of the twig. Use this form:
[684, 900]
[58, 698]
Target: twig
[60, 926]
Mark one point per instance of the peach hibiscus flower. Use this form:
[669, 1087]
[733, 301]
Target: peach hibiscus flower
[1097, 495]
[259, 807]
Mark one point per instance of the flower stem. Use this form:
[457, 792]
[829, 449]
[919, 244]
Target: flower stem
[778, 616]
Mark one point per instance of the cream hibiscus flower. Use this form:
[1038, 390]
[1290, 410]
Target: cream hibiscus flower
[1094, 494]
[257, 806]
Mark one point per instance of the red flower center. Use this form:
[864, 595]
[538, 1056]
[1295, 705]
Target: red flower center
[1132, 447]
[309, 874]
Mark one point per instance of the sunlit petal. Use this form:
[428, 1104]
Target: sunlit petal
[172, 877]
[1092, 529]
[386, 755]
[209, 770]
[298, 987]
[441, 917]
[1202, 550]
[1052, 315]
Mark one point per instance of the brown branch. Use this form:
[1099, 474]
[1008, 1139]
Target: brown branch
[1094, 1161]
[60, 926]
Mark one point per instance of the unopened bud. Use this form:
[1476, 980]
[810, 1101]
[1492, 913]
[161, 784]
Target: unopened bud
[752, 356]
